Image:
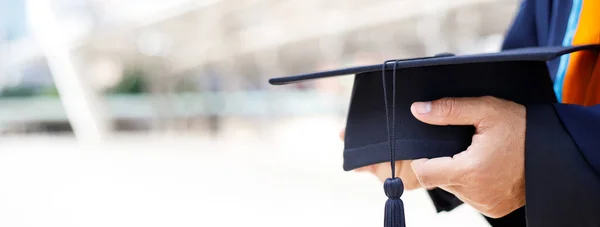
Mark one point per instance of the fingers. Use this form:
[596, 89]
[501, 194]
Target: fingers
[370, 168]
[436, 172]
[453, 111]
[342, 134]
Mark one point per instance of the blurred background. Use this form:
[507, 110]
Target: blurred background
[158, 112]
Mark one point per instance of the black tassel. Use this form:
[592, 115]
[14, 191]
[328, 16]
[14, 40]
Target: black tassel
[393, 187]
[394, 208]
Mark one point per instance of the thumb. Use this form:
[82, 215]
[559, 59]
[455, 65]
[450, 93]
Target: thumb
[436, 172]
[452, 111]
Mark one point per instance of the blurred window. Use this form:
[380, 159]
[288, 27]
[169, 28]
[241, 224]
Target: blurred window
[12, 19]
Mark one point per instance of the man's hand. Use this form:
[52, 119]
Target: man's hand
[383, 171]
[490, 174]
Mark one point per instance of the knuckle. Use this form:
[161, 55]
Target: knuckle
[493, 209]
[488, 104]
[465, 178]
[472, 166]
[448, 107]
[495, 213]
[423, 179]
[426, 180]
[471, 173]
[489, 98]
[488, 211]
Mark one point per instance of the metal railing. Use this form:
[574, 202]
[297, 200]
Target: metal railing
[235, 104]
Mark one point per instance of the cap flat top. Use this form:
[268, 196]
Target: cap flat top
[524, 54]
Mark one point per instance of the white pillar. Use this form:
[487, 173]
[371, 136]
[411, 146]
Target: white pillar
[82, 104]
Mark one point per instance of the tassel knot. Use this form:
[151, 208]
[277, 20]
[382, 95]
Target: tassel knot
[393, 188]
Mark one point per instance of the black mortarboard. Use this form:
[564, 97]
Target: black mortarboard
[519, 75]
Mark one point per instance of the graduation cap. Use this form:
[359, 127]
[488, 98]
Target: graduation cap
[381, 128]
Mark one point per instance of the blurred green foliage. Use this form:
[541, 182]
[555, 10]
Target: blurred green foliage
[17, 91]
[133, 82]
[28, 91]
[50, 92]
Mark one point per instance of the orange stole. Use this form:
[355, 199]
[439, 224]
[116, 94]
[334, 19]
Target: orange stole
[582, 80]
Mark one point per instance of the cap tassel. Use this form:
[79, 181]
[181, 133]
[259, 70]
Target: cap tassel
[393, 187]
[394, 208]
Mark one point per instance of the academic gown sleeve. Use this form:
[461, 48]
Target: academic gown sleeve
[523, 31]
[562, 166]
[445, 201]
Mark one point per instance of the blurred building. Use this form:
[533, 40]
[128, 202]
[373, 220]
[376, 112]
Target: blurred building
[254, 40]
[190, 50]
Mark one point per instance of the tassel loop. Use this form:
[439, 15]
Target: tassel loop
[393, 187]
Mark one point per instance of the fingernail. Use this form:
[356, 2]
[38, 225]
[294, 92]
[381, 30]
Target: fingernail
[422, 107]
